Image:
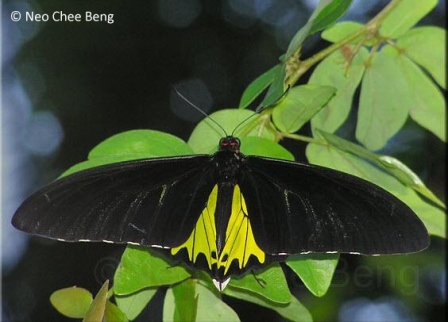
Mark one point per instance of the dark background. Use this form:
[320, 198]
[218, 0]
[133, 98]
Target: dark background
[69, 85]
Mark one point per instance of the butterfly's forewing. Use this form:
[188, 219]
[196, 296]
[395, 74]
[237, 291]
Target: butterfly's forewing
[300, 208]
[153, 202]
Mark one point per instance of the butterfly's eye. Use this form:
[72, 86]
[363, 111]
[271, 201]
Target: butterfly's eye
[230, 144]
[235, 143]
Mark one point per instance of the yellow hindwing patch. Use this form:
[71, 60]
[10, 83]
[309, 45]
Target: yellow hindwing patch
[239, 242]
[203, 238]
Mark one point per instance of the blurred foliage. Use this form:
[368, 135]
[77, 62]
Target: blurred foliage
[398, 71]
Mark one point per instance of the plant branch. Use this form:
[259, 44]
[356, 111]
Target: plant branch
[370, 28]
[303, 138]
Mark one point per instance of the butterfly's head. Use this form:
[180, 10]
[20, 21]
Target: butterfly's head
[230, 143]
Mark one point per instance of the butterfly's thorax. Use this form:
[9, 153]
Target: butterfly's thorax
[228, 160]
[227, 165]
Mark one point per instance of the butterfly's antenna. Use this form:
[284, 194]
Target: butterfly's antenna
[198, 109]
[261, 109]
[244, 121]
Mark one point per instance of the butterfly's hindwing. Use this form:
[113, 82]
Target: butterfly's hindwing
[223, 235]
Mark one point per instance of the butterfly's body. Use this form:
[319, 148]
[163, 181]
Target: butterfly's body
[227, 163]
[228, 240]
[225, 213]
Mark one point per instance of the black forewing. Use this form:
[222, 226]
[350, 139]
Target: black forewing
[149, 202]
[299, 208]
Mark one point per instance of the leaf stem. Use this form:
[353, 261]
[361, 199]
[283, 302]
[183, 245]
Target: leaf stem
[303, 138]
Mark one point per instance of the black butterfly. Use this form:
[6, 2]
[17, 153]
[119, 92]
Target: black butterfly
[225, 213]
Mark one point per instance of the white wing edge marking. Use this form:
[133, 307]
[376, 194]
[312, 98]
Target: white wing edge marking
[159, 246]
[223, 284]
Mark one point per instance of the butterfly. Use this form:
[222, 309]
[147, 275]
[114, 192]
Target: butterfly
[225, 213]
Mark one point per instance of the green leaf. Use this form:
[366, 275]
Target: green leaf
[141, 268]
[428, 104]
[114, 314]
[264, 147]
[332, 71]
[186, 301]
[293, 311]
[277, 88]
[209, 307]
[405, 16]
[330, 14]
[133, 145]
[326, 13]
[269, 284]
[206, 135]
[384, 102]
[329, 156]
[433, 217]
[169, 306]
[98, 306]
[296, 43]
[300, 105]
[426, 47]
[73, 302]
[386, 163]
[133, 304]
[315, 270]
[408, 177]
[258, 86]
[342, 30]
[212, 308]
